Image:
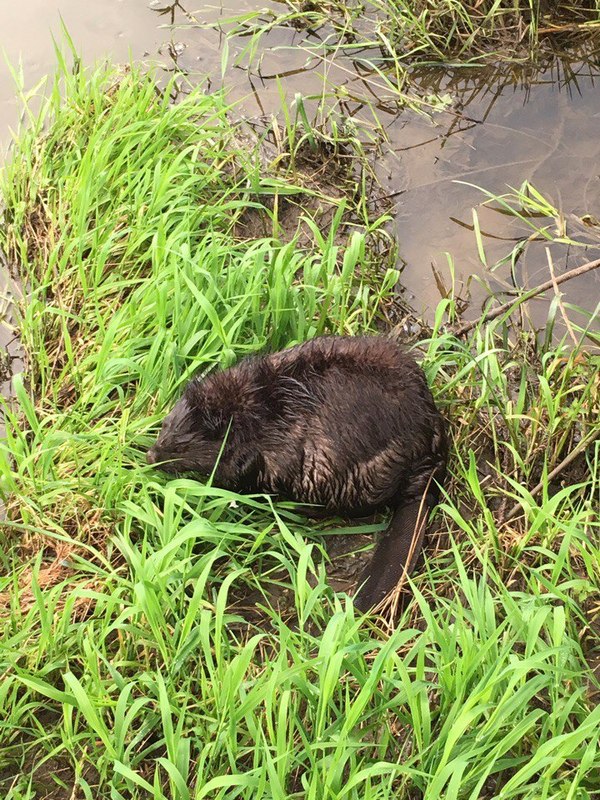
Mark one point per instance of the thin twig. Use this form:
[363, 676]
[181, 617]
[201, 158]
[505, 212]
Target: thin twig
[513, 304]
[583, 444]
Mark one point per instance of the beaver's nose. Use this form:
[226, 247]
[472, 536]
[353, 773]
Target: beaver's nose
[151, 456]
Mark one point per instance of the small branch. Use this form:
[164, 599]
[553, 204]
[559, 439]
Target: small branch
[513, 304]
[583, 445]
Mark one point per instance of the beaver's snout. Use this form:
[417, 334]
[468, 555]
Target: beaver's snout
[151, 456]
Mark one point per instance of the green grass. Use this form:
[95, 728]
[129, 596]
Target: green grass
[167, 639]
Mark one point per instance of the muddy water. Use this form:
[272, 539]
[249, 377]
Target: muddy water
[498, 129]
[499, 134]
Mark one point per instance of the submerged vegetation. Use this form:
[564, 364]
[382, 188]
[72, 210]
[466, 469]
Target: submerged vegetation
[446, 30]
[372, 58]
[164, 638]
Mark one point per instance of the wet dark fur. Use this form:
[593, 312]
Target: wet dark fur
[346, 423]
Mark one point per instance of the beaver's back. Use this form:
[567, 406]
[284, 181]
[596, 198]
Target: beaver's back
[353, 424]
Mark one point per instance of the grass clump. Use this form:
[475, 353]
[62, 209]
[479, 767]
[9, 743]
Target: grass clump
[168, 639]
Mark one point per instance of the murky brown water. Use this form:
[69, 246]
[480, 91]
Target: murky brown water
[544, 133]
[498, 131]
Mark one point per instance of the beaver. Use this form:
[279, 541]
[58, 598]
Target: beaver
[346, 423]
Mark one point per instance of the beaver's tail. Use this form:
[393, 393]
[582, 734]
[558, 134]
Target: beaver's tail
[398, 550]
[395, 556]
